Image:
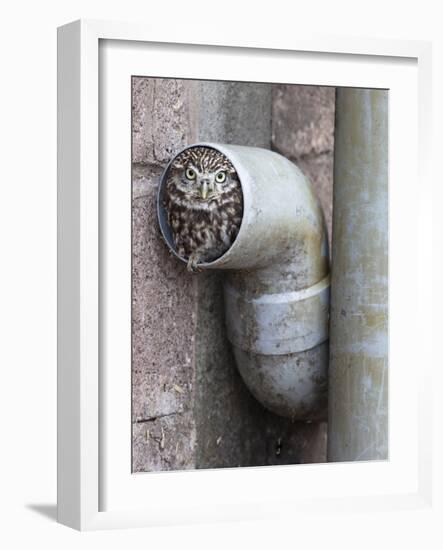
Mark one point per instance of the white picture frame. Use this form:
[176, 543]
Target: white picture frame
[95, 492]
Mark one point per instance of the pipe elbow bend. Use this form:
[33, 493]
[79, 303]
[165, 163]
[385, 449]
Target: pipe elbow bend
[276, 284]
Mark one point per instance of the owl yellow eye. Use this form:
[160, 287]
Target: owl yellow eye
[190, 174]
[220, 177]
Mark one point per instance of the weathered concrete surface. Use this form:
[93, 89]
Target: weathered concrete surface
[190, 406]
[163, 293]
[162, 118]
[303, 131]
[236, 113]
[163, 328]
[358, 383]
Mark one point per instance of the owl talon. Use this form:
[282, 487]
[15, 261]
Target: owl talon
[192, 265]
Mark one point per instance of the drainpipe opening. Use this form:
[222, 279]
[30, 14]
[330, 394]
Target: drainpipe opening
[163, 218]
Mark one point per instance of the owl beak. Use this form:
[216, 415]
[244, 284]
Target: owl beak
[204, 189]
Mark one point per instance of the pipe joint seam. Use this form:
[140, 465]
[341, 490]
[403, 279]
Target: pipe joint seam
[277, 324]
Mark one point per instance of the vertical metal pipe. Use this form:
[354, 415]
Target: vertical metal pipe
[358, 375]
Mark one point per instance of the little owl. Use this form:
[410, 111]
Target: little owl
[204, 204]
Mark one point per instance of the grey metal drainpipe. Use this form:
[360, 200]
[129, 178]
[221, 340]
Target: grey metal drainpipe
[358, 369]
[276, 284]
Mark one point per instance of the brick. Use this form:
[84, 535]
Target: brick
[303, 120]
[163, 327]
[162, 118]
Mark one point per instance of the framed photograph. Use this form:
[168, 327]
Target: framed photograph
[235, 222]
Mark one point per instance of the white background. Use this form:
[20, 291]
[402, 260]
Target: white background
[28, 275]
[226, 491]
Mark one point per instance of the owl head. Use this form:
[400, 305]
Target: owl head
[203, 174]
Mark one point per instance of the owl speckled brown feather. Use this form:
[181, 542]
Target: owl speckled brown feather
[204, 204]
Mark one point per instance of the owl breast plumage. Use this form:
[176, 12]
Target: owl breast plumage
[204, 204]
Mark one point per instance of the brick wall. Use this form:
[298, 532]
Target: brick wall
[190, 406]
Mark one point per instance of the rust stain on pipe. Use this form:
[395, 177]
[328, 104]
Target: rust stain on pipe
[358, 370]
